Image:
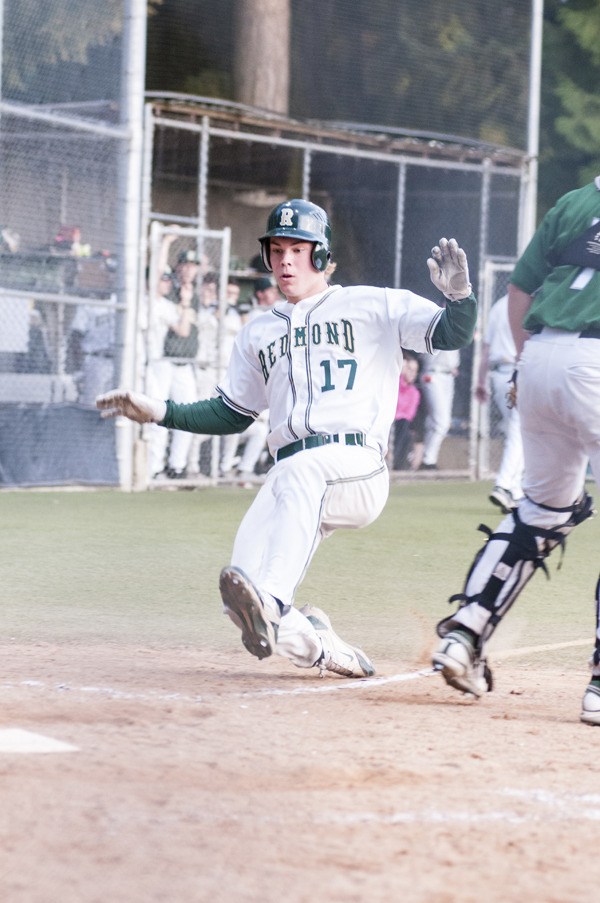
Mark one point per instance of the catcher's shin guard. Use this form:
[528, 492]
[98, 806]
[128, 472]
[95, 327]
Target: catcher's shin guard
[595, 662]
[504, 566]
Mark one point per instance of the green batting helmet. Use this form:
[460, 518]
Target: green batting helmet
[299, 219]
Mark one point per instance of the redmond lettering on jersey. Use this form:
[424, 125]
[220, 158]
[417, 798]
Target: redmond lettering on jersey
[329, 333]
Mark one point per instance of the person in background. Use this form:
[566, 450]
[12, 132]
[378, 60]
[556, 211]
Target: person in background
[266, 294]
[207, 359]
[438, 375]
[68, 241]
[409, 399]
[162, 315]
[176, 377]
[254, 439]
[92, 341]
[498, 361]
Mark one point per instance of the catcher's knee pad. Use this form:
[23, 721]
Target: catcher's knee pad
[506, 563]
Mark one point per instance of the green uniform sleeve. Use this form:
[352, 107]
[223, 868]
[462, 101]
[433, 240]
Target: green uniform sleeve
[456, 326]
[211, 417]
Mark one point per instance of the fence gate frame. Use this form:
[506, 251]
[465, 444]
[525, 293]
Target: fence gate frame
[156, 227]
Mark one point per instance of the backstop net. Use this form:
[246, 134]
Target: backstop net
[60, 314]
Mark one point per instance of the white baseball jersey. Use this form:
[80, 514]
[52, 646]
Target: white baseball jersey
[329, 363]
[162, 315]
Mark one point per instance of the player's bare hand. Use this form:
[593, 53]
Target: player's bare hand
[133, 405]
[448, 269]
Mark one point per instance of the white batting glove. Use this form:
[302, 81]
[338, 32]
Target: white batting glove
[449, 271]
[141, 408]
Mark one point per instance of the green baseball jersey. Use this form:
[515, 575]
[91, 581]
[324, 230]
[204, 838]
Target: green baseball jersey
[565, 296]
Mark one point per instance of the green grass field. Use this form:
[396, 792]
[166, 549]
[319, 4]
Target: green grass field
[192, 759]
[112, 567]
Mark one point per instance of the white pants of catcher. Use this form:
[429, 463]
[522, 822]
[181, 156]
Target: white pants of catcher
[510, 471]
[303, 500]
[558, 396]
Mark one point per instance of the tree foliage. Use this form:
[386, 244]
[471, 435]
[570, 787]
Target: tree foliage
[430, 67]
[43, 35]
[424, 65]
[570, 120]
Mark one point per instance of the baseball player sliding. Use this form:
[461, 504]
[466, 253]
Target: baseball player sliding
[326, 363]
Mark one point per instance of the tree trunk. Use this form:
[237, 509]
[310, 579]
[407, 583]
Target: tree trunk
[261, 56]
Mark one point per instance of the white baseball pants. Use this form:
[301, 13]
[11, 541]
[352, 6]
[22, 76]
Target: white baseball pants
[438, 395]
[177, 382]
[303, 500]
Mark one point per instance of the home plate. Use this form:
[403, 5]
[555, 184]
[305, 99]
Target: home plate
[17, 740]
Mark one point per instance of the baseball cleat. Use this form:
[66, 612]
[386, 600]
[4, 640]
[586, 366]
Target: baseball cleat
[590, 707]
[256, 616]
[337, 656]
[503, 499]
[455, 660]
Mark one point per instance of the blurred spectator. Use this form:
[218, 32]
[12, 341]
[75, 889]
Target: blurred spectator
[174, 376]
[438, 374]
[498, 360]
[68, 241]
[253, 441]
[205, 366]
[92, 341]
[266, 294]
[258, 264]
[409, 399]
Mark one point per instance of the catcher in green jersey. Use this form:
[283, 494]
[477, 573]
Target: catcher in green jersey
[554, 311]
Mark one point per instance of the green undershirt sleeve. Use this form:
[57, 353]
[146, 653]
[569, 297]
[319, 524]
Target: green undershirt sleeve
[456, 326]
[211, 417]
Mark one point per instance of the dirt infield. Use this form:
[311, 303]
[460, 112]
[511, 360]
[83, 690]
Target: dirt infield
[214, 777]
[201, 774]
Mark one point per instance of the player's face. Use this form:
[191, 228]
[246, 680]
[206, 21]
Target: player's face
[291, 260]
[187, 272]
[410, 369]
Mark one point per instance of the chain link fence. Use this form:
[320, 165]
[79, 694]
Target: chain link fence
[73, 319]
[64, 145]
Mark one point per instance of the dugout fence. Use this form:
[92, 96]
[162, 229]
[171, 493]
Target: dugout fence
[71, 104]
[93, 178]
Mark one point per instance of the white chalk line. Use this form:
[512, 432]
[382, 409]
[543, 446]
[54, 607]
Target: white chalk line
[542, 806]
[327, 685]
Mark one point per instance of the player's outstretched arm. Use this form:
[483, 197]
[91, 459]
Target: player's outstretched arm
[134, 405]
[449, 270]
[211, 417]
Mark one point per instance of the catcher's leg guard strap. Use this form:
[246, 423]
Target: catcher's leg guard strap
[596, 657]
[506, 563]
